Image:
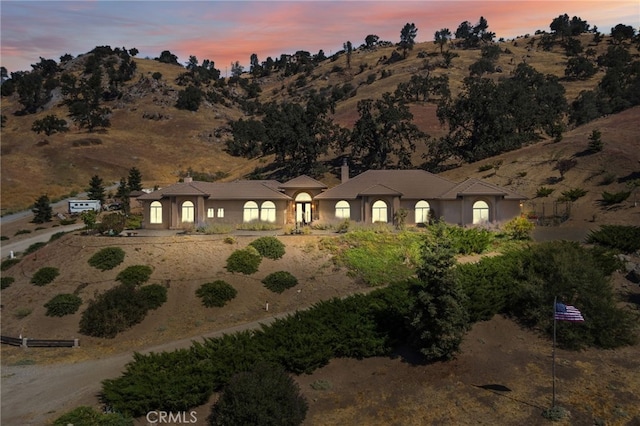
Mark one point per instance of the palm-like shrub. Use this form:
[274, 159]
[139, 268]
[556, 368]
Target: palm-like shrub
[279, 281]
[44, 276]
[270, 247]
[246, 261]
[216, 293]
[63, 304]
[107, 258]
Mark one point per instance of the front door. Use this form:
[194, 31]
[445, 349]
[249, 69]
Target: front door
[303, 213]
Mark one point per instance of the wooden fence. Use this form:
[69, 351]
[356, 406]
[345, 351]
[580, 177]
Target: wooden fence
[25, 342]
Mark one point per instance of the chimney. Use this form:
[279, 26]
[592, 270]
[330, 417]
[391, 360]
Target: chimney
[344, 171]
[187, 179]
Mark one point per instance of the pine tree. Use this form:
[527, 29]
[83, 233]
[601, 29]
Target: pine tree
[42, 211]
[123, 193]
[134, 181]
[439, 318]
[96, 189]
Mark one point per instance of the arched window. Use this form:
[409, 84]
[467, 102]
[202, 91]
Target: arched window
[480, 212]
[250, 212]
[422, 211]
[343, 210]
[155, 212]
[268, 212]
[188, 212]
[302, 197]
[379, 212]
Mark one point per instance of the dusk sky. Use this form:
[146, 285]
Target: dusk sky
[226, 31]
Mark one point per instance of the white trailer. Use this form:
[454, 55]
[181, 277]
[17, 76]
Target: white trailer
[79, 206]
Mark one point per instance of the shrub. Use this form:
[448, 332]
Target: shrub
[5, 282]
[112, 224]
[89, 416]
[485, 167]
[265, 395]
[609, 199]
[466, 240]
[134, 275]
[543, 191]
[572, 194]
[8, 263]
[230, 240]
[246, 261]
[215, 228]
[270, 247]
[34, 247]
[69, 221]
[107, 258]
[44, 276]
[22, 231]
[3, 238]
[56, 236]
[216, 293]
[22, 312]
[63, 304]
[618, 237]
[153, 296]
[519, 228]
[279, 281]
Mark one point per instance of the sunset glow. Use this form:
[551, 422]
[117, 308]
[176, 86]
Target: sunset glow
[229, 31]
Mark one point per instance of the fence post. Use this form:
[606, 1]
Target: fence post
[76, 343]
[25, 343]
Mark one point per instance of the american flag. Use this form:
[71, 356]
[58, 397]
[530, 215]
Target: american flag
[567, 313]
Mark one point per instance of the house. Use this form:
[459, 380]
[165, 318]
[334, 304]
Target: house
[373, 196]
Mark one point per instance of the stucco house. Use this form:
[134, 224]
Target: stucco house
[373, 196]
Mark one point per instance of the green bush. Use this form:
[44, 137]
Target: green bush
[269, 247]
[63, 304]
[119, 308]
[519, 228]
[134, 275]
[107, 258]
[22, 312]
[618, 237]
[56, 236]
[86, 416]
[279, 281]
[216, 293]
[572, 194]
[69, 221]
[265, 395]
[246, 261]
[34, 247]
[609, 199]
[112, 224]
[543, 191]
[22, 231]
[153, 295]
[466, 240]
[8, 263]
[5, 282]
[45, 275]
[3, 238]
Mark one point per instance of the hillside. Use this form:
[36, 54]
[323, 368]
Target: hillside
[148, 132]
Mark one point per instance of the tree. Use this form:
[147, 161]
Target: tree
[266, 396]
[408, 38]
[168, 58]
[189, 98]
[595, 141]
[123, 193]
[384, 130]
[42, 211]
[255, 68]
[134, 181]
[248, 136]
[348, 48]
[622, 32]
[89, 218]
[442, 37]
[561, 26]
[371, 40]
[439, 318]
[50, 125]
[31, 90]
[236, 69]
[83, 99]
[580, 68]
[96, 189]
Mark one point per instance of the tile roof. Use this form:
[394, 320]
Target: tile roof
[303, 181]
[411, 184]
[474, 186]
[240, 189]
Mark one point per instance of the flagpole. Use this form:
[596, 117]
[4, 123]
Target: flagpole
[553, 353]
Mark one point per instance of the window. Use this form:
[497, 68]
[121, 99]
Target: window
[379, 212]
[268, 212]
[155, 212]
[343, 210]
[188, 212]
[250, 211]
[220, 212]
[422, 211]
[211, 212]
[480, 212]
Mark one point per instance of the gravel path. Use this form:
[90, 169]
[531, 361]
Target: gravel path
[37, 394]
